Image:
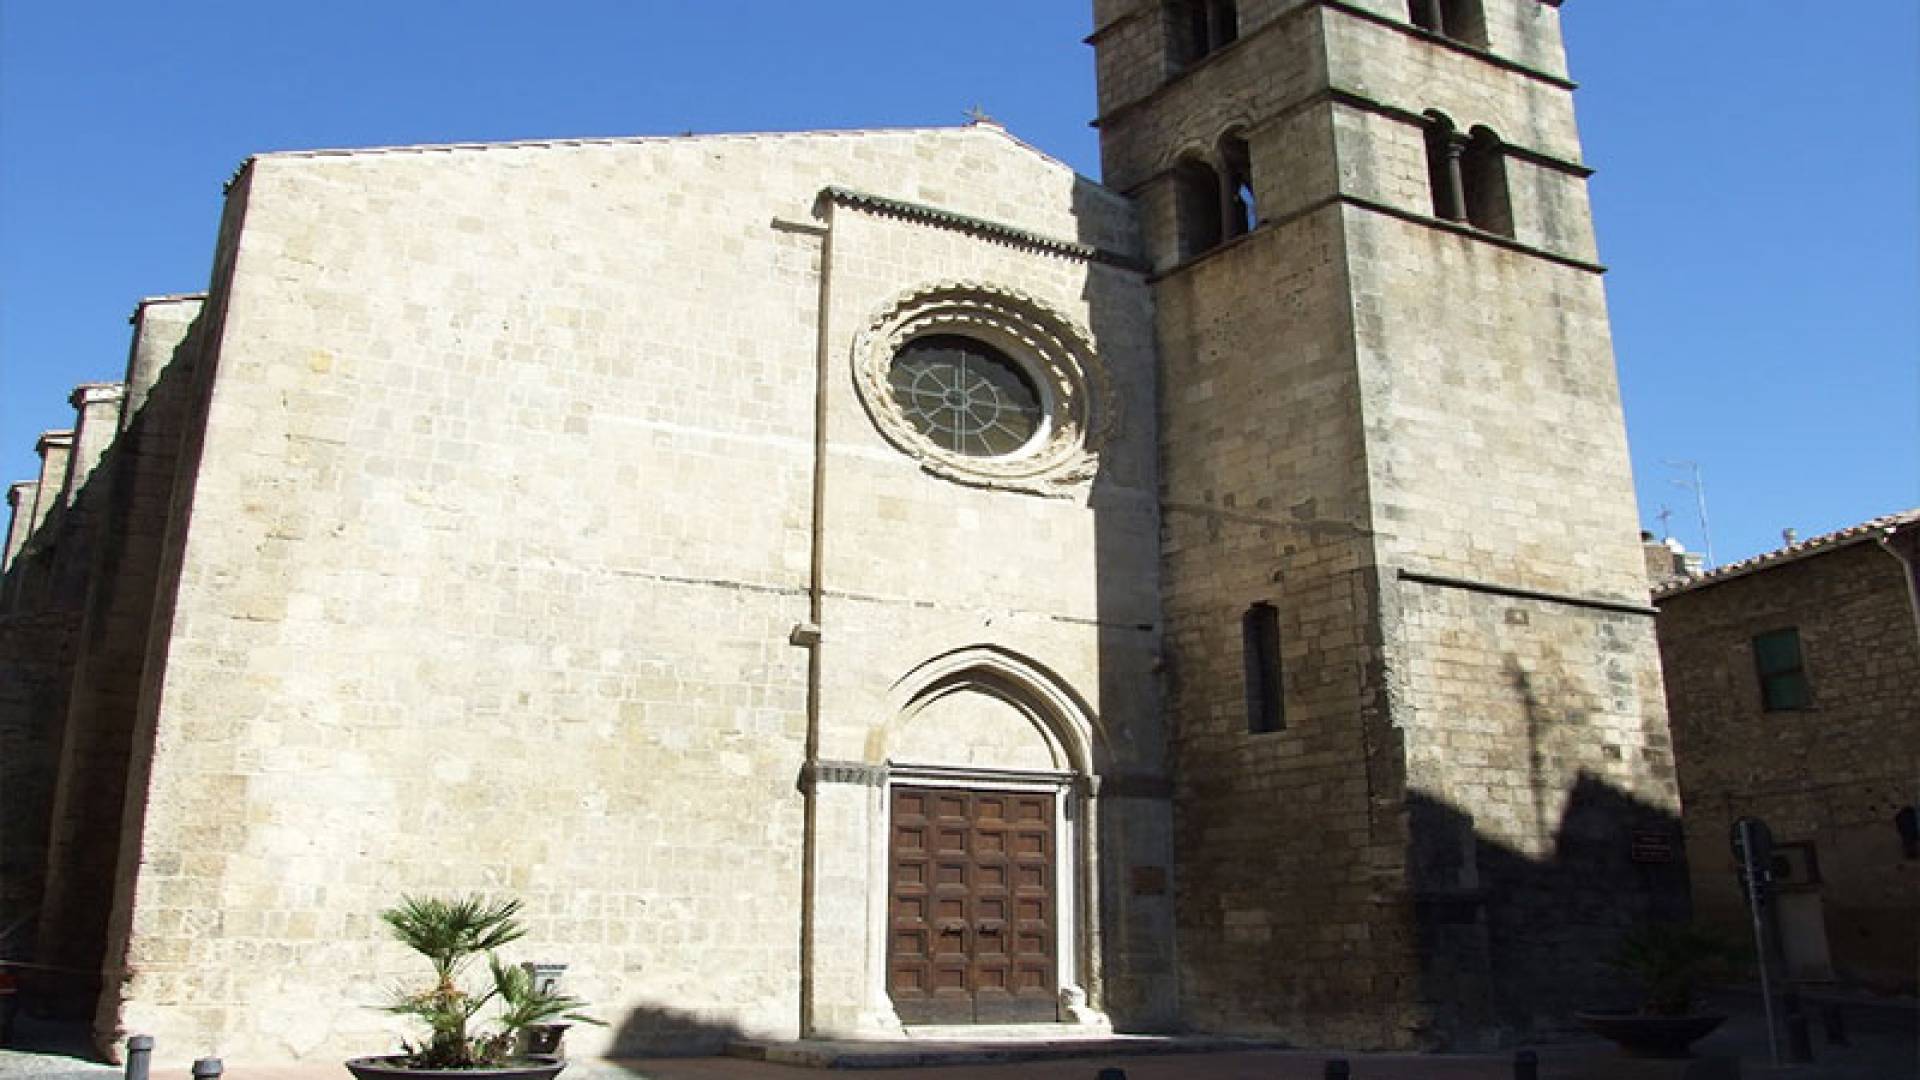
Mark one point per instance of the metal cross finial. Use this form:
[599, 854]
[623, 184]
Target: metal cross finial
[1665, 514]
[978, 115]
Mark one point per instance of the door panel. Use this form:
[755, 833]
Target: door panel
[971, 902]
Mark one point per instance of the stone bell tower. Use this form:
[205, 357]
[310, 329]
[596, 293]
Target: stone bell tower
[1423, 777]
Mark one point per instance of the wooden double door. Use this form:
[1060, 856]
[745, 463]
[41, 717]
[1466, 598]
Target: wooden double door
[972, 925]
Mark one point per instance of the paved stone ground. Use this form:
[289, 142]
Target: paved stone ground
[1883, 1044]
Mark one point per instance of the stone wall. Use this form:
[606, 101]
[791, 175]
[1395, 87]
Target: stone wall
[1832, 775]
[1278, 836]
[39, 629]
[500, 523]
[1405, 435]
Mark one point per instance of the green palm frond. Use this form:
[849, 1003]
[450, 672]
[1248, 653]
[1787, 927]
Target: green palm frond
[450, 932]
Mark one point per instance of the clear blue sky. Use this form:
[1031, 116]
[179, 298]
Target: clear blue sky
[1758, 195]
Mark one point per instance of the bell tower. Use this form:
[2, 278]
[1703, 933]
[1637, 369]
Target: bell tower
[1419, 738]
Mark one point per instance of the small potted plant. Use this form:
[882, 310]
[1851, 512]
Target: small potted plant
[1670, 961]
[451, 934]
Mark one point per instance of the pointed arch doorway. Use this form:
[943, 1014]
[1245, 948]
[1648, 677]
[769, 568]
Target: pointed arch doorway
[988, 813]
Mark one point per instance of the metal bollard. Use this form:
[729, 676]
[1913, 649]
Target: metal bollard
[207, 1069]
[1526, 1065]
[139, 1057]
[1112, 1074]
[1836, 1024]
[1338, 1069]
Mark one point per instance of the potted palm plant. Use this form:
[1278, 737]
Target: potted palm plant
[452, 934]
[1670, 961]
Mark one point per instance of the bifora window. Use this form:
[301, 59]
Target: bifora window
[966, 396]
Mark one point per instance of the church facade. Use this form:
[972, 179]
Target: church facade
[856, 582]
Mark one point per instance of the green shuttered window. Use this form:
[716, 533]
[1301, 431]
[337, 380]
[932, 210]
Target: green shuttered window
[1782, 671]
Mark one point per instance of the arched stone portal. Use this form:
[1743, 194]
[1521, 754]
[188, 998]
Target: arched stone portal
[980, 831]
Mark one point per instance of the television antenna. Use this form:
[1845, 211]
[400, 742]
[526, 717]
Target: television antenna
[1698, 485]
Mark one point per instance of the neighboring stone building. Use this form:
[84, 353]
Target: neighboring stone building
[1793, 681]
[854, 580]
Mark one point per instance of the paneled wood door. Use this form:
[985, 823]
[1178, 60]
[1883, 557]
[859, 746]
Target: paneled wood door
[971, 926]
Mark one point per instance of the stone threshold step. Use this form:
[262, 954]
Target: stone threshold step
[922, 1048]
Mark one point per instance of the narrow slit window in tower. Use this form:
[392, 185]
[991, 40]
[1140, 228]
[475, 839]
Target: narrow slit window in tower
[1260, 638]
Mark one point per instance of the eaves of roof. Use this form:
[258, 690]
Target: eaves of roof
[1833, 541]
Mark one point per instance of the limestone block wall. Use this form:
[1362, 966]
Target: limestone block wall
[1831, 776]
[1536, 751]
[918, 566]
[499, 520]
[1534, 732]
[1356, 393]
[1473, 354]
[1287, 865]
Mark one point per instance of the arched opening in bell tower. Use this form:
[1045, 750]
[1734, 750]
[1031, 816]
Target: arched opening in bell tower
[1197, 215]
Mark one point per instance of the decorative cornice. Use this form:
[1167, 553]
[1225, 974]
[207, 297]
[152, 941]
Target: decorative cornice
[239, 171]
[1452, 44]
[1458, 228]
[1461, 228]
[1496, 589]
[1364, 103]
[1361, 103]
[101, 392]
[998, 232]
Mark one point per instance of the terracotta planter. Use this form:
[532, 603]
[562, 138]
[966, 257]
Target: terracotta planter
[394, 1067]
[1648, 1035]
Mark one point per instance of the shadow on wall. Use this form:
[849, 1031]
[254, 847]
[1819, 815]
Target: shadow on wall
[1512, 942]
[656, 1031]
[1136, 980]
[74, 612]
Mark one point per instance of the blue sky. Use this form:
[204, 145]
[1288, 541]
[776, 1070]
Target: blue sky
[1758, 196]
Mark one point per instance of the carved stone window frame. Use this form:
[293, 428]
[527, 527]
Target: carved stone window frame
[1080, 410]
